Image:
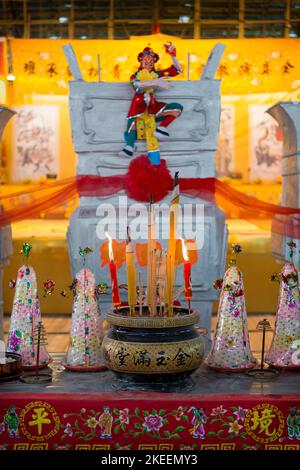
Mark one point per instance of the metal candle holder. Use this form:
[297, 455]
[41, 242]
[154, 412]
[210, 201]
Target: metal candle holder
[37, 376]
[263, 373]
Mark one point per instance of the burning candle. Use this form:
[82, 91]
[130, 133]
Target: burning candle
[131, 275]
[187, 274]
[113, 274]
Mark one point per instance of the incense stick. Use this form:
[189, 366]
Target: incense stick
[174, 284]
[154, 277]
[140, 295]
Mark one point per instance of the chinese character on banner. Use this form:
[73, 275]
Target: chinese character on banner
[266, 68]
[223, 70]
[287, 67]
[117, 71]
[39, 421]
[245, 68]
[39, 418]
[93, 72]
[264, 423]
[1, 57]
[29, 67]
[51, 70]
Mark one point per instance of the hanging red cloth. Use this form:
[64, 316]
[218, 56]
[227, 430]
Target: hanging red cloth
[141, 180]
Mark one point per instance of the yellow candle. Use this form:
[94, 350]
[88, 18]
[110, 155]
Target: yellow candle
[140, 295]
[151, 261]
[172, 248]
[131, 275]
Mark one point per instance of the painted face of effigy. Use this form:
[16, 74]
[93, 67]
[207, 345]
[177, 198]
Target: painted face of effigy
[147, 62]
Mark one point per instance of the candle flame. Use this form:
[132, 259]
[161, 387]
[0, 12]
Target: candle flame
[110, 248]
[185, 252]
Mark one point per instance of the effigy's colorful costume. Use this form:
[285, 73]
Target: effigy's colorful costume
[230, 349]
[145, 112]
[287, 324]
[26, 315]
[84, 352]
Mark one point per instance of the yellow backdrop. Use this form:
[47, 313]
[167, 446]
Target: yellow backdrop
[253, 71]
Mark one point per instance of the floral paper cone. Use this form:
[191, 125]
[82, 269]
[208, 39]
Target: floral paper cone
[86, 333]
[26, 314]
[287, 324]
[230, 349]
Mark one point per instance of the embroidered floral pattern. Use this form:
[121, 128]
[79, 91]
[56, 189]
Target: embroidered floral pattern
[153, 423]
[123, 416]
[231, 423]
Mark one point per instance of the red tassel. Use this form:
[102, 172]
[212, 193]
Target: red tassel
[144, 179]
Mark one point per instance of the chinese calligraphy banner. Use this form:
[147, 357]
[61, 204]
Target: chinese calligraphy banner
[247, 66]
[149, 421]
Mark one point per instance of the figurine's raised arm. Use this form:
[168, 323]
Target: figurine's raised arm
[171, 50]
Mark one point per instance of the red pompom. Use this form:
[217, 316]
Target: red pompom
[144, 179]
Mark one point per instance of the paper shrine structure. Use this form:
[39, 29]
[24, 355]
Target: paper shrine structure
[287, 114]
[6, 249]
[98, 118]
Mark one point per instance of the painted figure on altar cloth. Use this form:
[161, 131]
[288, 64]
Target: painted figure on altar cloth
[148, 118]
[12, 420]
[105, 422]
[293, 422]
[198, 421]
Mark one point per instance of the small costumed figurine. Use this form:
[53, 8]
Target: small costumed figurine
[287, 324]
[26, 315]
[148, 118]
[84, 353]
[230, 349]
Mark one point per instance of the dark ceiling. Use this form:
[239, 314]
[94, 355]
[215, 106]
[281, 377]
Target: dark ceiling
[120, 19]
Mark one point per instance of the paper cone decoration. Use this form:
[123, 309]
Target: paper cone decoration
[26, 314]
[84, 352]
[287, 324]
[230, 347]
